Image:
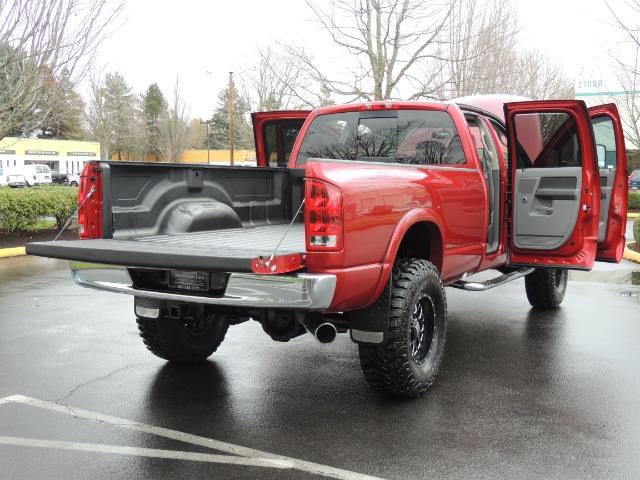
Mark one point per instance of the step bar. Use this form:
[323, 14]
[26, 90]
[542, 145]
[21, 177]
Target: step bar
[494, 282]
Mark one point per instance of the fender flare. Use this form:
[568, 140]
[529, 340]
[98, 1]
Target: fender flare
[410, 219]
[370, 325]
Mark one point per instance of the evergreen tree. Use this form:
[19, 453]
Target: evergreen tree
[120, 105]
[64, 109]
[155, 109]
[219, 131]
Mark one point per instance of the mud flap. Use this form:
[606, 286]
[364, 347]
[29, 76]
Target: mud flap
[371, 325]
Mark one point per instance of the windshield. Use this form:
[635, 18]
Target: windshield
[421, 137]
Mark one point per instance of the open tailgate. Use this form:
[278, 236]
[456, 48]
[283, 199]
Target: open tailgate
[229, 250]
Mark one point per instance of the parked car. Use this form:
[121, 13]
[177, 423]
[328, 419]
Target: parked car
[65, 179]
[380, 207]
[634, 180]
[36, 174]
[11, 178]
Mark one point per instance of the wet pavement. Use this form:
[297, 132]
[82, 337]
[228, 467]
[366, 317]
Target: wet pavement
[521, 394]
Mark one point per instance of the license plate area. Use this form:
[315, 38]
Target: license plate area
[192, 281]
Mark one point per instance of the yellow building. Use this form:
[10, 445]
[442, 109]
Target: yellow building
[62, 156]
[219, 157]
[214, 157]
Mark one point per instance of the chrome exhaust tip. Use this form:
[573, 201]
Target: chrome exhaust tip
[326, 333]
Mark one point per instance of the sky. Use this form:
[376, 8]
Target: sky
[201, 41]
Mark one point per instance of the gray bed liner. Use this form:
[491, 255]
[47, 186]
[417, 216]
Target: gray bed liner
[230, 250]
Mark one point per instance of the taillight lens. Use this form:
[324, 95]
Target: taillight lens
[323, 216]
[90, 213]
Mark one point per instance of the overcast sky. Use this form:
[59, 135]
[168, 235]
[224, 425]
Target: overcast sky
[201, 41]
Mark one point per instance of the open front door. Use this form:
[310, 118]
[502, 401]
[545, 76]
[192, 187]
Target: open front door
[275, 133]
[555, 189]
[612, 164]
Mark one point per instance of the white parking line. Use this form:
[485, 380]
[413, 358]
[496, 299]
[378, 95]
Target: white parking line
[246, 453]
[143, 452]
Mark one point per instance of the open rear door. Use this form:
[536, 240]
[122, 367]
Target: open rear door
[275, 133]
[555, 190]
[612, 164]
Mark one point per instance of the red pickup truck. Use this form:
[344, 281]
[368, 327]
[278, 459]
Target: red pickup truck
[355, 220]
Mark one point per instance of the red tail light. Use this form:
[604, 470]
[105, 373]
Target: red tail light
[90, 199]
[323, 216]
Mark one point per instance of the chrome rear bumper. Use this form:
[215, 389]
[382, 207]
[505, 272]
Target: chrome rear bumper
[302, 291]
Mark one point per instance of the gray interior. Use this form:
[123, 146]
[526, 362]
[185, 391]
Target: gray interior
[546, 206]
[607, 178]
[488, 156]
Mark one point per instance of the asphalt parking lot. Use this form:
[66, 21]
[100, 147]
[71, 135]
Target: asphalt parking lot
[521, 394]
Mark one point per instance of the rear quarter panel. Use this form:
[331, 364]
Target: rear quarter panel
[377, 198]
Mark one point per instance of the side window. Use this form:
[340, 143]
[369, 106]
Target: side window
[271, 144]
[604, 135]
[39, 169]
[279, 138]
[547, 140]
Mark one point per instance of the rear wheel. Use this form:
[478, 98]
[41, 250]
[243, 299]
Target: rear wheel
[546, 287]
[183, 340]
[407, 363]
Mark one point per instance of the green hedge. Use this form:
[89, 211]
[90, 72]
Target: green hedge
[20, 208]
[634, 200]
[636, 231]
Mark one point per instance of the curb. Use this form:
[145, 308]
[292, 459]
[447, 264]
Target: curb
[631, 255]
[12, 252]
[632, 215]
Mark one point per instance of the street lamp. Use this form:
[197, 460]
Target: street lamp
[207, 123]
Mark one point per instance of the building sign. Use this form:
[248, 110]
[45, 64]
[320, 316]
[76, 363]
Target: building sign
[81, 154]
[41, 152]
[4, 151]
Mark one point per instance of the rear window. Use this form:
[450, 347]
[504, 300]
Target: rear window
[417, 137]
[635, 175]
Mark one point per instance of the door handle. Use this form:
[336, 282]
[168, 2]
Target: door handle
[546, 210]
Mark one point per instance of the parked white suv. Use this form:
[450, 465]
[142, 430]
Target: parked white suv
[36, 174]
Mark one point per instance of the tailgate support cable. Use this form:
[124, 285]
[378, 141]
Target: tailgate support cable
[70, 219]
[275, 250]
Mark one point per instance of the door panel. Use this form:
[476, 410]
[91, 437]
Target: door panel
[547, 206]
[612, 164]
[554, 181]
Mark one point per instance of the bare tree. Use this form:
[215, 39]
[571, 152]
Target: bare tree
[626, 63]
[175, 127]
[280, 81]
[390, 41]
[480, 49]
[39, 40]
[99, 121]
[535, 76]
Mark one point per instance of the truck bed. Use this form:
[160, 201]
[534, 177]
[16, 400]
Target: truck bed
[228, 250]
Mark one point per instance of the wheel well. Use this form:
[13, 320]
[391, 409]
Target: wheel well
[422, 240]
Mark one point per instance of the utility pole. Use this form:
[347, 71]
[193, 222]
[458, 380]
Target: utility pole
[207, 123]
[231, 118]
